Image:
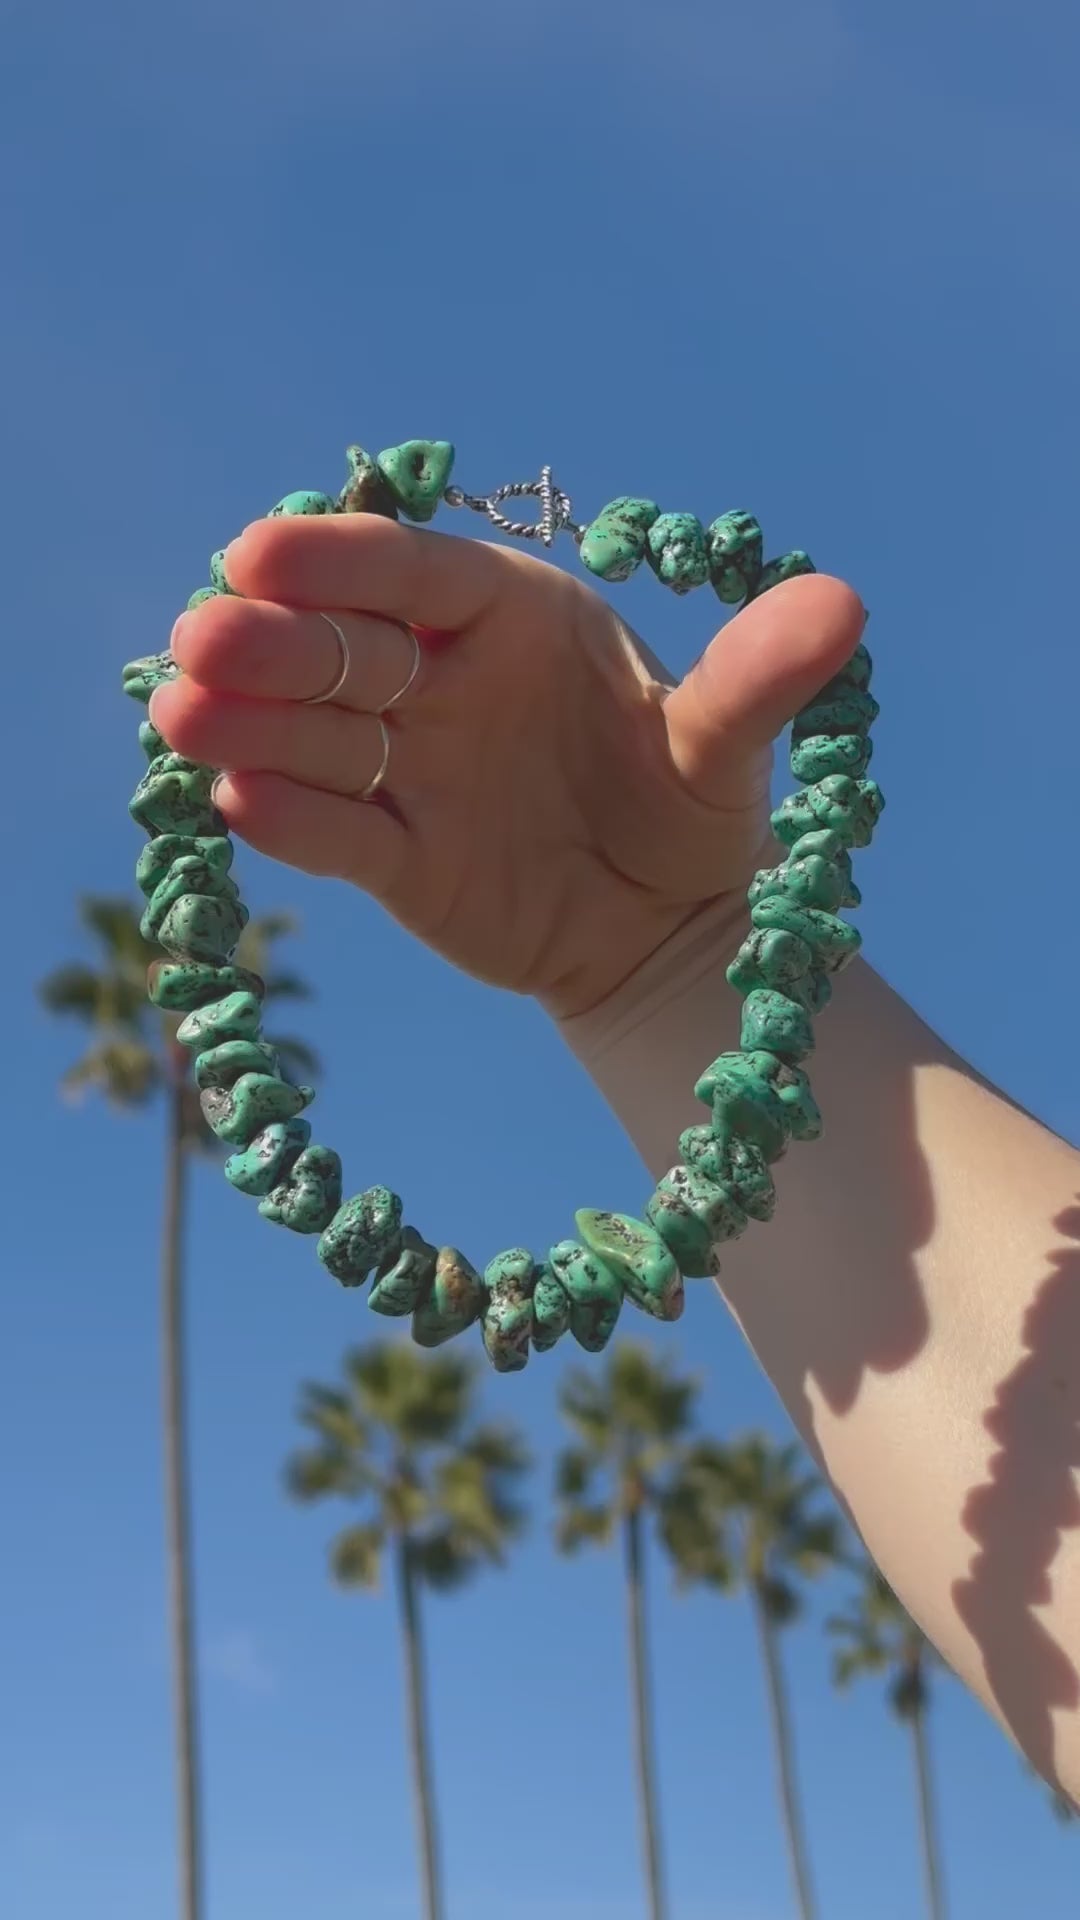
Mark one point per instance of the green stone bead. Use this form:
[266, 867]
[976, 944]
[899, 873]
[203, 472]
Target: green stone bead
[820, 754]
[735, 550]
[735, 1164]
[457, 1298]
[235, 1016]
[202, 594]
[187, 875]
[365, 491]
[310, 1194]
[594, 1290]
[221, 1066]
[202, 926]
[239, 1112]
[550, 1309]
[772, 1021]
[833, 942]
[506, 1324]
[786, 568]
[614, 543]
[159, 855]
[838, 708]
[180, 986]
[259, 1168]
[829, 846]
[217, 572]
[858, 670]
[694, 1217]
[807, 881]
[366, 1230]
[417, 473]
[801, 1110]
[677, 552]
[140, 677]
[850, 808]
[403, 1279]
[769, 958]
[173, 796]
[303, 502]
[635, 1251]
[151, 741]
[739, 1089]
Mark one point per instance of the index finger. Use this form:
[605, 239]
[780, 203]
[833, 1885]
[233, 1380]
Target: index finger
[369, 563]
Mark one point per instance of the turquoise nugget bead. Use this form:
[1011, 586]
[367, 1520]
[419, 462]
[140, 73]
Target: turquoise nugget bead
[772, 1021]
[140, 677]
[734, 548]
[595, 1292]
[310, 1194]
[457, 1298]
[806, 880]
[158, 856]
[365, 491]
[738, 1087]
[828, 846]
[677, 552]
[180, 986]
[614, 544]
[239, 1112]
[217, 572]
[635, 1251]
[838, 708]
[416, 474]
[303, 502]
[188, 875]
[834, 943]
[551, 1309]
[173, 796]
[693, 1216]
[151, 741]
[221, 1066]
[850, 808]
[819, 754]
[201, 594]
[735, 1164]
[237, 1016]
[366, 1230]
[202, 926]
[786, 568]
[258, 1168]
[801, 1109]
[404, 1277]
[858, 670]
[507, 1319]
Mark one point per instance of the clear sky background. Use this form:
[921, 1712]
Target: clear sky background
[810, 256]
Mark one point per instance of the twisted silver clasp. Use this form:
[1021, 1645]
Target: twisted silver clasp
[556, 508]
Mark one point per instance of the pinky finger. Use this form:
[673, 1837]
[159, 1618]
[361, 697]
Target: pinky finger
[321, 833]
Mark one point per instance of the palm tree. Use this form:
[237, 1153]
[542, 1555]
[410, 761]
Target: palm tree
[880, 1637]
[436, 1491]
[629, 1422]
[746, 1517]
[132, 1057]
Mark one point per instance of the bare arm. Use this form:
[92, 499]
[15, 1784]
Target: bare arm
[916, 1302]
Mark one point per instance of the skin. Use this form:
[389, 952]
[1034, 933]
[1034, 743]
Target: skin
[562, 819]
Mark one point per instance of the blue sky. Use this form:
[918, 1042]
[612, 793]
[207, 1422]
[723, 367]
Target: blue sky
[817, 259]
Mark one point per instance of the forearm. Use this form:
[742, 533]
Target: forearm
[916, 1302]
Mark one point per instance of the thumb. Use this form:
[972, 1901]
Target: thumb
[753, 678]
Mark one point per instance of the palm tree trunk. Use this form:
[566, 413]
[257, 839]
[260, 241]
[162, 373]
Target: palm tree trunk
[418, 1733]
[177, 1506]
[643, 1732]
[785, 1764]
[935, 1899]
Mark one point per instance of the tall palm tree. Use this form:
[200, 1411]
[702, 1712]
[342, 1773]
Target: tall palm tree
[629, 1424]
[436, 1489]
[747, 1517]
[132, 1057]
[879, 1636]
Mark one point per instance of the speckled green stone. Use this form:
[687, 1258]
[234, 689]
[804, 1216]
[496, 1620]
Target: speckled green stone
[635, 1252]
[806, 880]
[364, 1231]
[677, 552]
[858, 669]
[159, 855]
[850, 808]
[140, 677]
[151, 741]
[417, 473]
[694, 1216]
[173, 796]
[614, 543]
[735, 552]
[404, 1278]
[188, 874]
[551, 1309]
[457, 1298]
[594, 1290]
[820, 754]
[739, 1089]
[735, 1164]
[202, 926]
[771, 958]
[239, 1112]
[236, 1016]
[202, 594]
[365, 491]
[310, 1194]
[257, 1169]
[779, 1024]
[838, 708]
[222, 1066]
[785, 568]
[217, 572]
[828, 846]
[800, 1108]
[180, 986]
[303, 501]
[833, 942]
[506, 1324]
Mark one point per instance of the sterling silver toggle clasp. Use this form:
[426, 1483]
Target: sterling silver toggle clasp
[556, 508]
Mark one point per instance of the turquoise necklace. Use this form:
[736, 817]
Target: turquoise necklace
[759, 1095]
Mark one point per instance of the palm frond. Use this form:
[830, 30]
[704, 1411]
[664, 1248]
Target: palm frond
[356, 1556]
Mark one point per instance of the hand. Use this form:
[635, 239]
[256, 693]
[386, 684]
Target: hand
[555, 806]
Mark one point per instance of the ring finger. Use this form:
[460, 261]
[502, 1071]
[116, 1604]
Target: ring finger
[322, 746]
[272, 652]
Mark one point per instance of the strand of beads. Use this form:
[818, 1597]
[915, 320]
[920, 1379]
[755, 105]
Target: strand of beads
[759, 1095]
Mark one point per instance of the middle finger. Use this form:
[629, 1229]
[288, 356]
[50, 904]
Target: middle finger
[270, 652]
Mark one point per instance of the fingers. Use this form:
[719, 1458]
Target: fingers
[364, 561]
[324, 746]
[319, 832]
[753, 678]
[270, 652]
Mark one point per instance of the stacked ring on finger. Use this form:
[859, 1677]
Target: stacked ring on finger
[758, 1096]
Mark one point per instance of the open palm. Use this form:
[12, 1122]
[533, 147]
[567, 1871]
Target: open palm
[554, 805]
